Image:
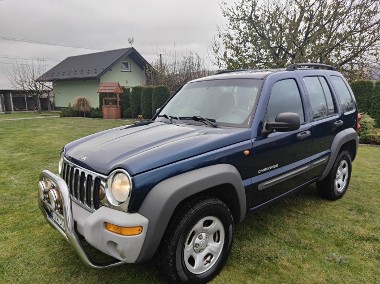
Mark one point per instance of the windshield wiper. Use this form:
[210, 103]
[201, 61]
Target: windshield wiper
[208, 121]
[168, 117]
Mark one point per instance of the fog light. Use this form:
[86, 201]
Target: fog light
[44, 186]
[125, 231]
[120, 251]
[55, 199]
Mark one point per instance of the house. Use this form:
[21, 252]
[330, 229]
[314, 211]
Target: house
[81, 75]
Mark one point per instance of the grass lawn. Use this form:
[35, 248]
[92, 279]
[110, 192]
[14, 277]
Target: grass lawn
[27, 115]
[302, 239]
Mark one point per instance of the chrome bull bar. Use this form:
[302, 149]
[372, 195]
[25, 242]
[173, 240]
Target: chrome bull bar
[55, 204]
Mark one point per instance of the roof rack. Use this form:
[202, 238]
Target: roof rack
[247, 70]
[230, 70]
[296, 66]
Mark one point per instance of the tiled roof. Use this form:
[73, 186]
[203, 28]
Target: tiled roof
[110, 87]
[91, 66]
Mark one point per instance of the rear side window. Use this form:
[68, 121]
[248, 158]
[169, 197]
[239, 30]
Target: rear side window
[285, 97]
[320, 97]
[343, 93]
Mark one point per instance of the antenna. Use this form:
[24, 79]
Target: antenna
[131, 40]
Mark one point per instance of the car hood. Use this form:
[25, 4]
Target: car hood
[144, 146]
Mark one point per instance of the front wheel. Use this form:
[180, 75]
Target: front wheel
[198, 242]
[335, 184]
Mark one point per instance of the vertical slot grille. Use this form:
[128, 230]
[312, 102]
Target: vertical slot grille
[89, 190]
[75, 183]
[83, 186]
[96, 193]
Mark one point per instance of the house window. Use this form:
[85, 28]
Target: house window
[125, 66]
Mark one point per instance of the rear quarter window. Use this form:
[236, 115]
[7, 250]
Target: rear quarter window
[346, 100]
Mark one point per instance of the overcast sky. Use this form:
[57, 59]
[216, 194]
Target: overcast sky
[157, 26]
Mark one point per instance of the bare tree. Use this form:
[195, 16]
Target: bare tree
[175, 70]
[272, 34]
[82, 104]
[24, 75]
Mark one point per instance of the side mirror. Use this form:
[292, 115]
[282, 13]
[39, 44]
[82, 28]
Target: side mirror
[285, 121]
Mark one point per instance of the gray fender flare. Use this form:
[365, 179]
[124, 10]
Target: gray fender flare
[341, 138]
[161, 201]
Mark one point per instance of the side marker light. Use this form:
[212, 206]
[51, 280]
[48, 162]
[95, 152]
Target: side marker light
[125, 231]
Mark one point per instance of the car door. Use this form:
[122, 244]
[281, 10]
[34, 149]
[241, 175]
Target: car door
[281, 159]
[326, 120]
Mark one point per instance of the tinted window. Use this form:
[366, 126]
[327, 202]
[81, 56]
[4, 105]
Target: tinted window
[320, 96]
[229, 102]
[343, 93]
[328, 95]
[285, 97]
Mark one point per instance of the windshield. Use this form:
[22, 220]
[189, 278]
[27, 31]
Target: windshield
[227, 102]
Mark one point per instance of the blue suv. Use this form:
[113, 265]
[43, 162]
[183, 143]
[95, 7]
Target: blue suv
[174, 187]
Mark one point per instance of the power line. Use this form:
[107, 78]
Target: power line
[160, 54]
[25, 58]
[47, 43]
[58, 44]
[73, 46]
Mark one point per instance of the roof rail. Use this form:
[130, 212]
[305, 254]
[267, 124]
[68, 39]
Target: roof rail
[296, 66]
[229, 71]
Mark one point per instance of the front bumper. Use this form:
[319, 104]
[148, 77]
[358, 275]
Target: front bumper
[67, 217]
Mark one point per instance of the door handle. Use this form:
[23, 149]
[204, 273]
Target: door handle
[303, 135]
[338, 122]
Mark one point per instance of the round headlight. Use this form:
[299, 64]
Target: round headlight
[60, 163]
[119, 186]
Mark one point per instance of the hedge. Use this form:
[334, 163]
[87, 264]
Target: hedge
[375, 104]
[96, 113]
[368, 133]
[367, 94]
[363, 91]
[160, 96]
[146, 102]
[135, 101]
[124, 101]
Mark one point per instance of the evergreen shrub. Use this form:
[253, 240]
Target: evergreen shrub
[135, 101]
[363, 90]
[160, 96]
[146, 102]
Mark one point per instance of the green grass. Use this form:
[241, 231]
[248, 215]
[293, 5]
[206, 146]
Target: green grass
[27, 115]
[302, 239]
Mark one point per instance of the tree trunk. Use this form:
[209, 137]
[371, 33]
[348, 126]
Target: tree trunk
[38, 104]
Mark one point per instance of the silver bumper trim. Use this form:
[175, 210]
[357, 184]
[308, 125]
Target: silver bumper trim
[68, 232]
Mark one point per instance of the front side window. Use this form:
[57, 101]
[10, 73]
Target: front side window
[285, 97]
[320, 96]
[228, 102]
[343, 93]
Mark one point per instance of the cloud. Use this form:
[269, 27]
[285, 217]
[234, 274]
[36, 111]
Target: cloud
[156, 26]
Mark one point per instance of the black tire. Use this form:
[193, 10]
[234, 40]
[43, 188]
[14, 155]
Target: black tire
[335, 184]
[201, 225]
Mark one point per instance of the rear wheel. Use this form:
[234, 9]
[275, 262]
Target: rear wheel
[335, 184]
[198, 242]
